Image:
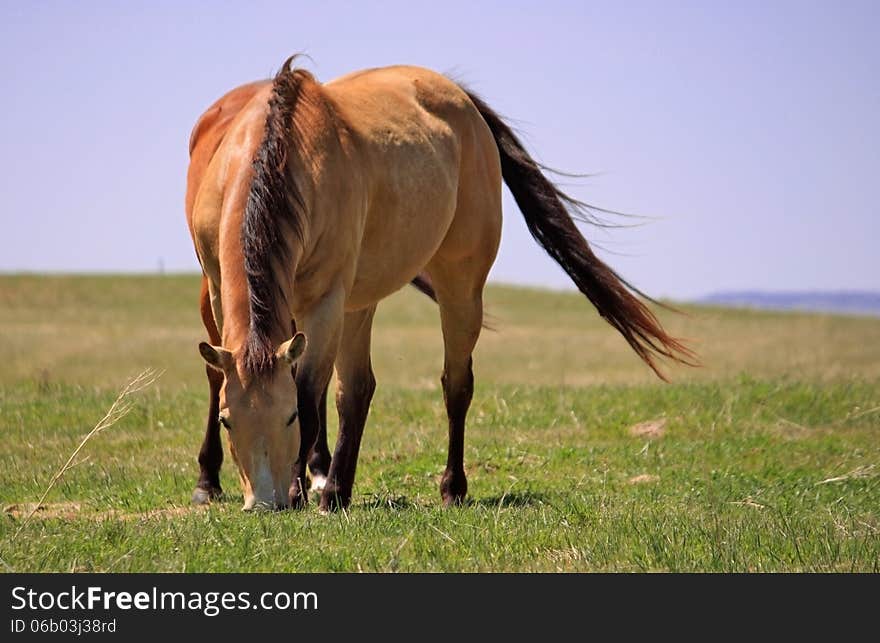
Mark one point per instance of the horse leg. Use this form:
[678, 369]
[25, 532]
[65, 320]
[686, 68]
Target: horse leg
[461, 316]
[355, 387]
[319, 460]
[323, 329]
[461, 328]
[211, 453]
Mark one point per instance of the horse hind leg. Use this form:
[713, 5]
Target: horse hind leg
[461, 317]
[458, 272]
[354, 392]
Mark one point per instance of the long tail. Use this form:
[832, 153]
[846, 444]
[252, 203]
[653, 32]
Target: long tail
[548, 216]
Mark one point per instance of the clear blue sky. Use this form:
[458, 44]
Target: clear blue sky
[750, 130]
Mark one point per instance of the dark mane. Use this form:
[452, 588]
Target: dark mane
[275, 209]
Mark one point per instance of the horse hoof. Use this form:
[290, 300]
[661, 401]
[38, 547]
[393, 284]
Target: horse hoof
[318, 484]
[332, 501]
[204, 496]
[454, 501]
[453, 488]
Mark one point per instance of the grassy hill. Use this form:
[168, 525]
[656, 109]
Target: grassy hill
[766, 458]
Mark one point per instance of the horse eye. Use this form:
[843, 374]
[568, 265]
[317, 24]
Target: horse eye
[293, 418]
[222, 419]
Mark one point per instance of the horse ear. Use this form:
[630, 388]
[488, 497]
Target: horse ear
[291, 350]
[216, 357]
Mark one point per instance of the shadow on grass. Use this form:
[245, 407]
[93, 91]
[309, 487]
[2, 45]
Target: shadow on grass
[227, 498]
[513, 499]
[402, 503]
[391, 503]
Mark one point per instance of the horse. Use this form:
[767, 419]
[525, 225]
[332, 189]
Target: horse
[204, 140]
[313, 202]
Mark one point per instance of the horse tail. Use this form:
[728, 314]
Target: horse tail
[422, 283]
[547, 211]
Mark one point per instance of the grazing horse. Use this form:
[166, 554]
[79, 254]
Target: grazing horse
[204, 141]
[312, 203]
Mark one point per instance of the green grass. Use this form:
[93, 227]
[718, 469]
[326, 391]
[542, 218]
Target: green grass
[770, 458]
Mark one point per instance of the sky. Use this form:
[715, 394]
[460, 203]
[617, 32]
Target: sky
[748, 133]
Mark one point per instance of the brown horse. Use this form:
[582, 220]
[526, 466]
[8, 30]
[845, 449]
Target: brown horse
[314, 202]
[204, 141]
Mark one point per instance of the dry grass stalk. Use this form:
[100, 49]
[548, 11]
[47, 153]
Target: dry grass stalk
[858, 472]
[118, 410]
[650, 429]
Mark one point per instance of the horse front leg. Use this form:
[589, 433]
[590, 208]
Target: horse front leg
[211, 453]
[322, 326]
[319, 460]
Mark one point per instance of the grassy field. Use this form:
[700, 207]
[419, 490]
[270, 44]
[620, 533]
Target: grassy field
[767, 458]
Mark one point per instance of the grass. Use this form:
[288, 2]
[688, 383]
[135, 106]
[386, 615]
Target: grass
[769, 459]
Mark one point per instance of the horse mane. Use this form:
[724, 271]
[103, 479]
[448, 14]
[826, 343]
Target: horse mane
[274, 214]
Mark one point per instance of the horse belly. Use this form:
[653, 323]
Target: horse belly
[404, 228]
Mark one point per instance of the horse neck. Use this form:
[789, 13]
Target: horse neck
[274, 248]
[235, 306]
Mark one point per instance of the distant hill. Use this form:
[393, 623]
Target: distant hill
[847, 302]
